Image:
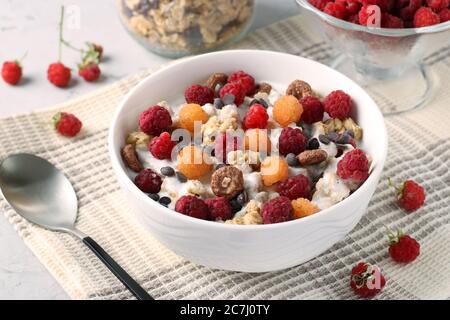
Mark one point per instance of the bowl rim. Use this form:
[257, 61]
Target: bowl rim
[400, 32]
[122, 176]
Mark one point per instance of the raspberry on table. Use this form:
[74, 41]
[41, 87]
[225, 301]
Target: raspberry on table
[192, 206]
[277, 210]
[190, 115]
[410, 195]
[366, 280]
[193, 162]
[312, 109]
[425, 17]
[338, 104]
[219, 208]
[336, 9]
[235, 89]
[90, 72]
[303, 207]
[225, 143]
[353, 166]
[199, 94]
[402, 247]
[148, 181]
[58, 74]
[155, 120]
[295, 187]
[12, 72]
[438, 5]
[291, 140]
[256, 117]
[161, 147]
[274, 169]
[246, 81]
[287, 110]
[67, 124]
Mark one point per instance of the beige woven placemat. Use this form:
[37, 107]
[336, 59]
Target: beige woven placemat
[419, 149]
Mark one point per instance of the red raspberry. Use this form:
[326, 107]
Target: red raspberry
[12, 72]
[193, 207]
[67, 124]
[352, 6]
[225, 143]
[59, 74]
[199, 94]
[410, 196]
[338, 104]
[366, 280]
[437, 5]
[312, 109]
[90, 72]
[370, 15]
[407, 8]
[337, 10]
[219, 208]
[246, 81]
[319, 4]
[390, 21]
[291, 140]
[354, 166]
[403, 248]
[148, 181]
[155, 120]
[277, 210]
[161, 147]
[425, 17]
[236, 90]
[256, 117]
[444, 15]
[295, 187]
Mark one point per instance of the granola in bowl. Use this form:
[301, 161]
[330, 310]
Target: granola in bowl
[180, 27]
[240, 152]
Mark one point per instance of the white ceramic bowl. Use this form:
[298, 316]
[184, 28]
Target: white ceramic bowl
[253, 248]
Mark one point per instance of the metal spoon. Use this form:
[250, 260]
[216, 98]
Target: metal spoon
[41, 193]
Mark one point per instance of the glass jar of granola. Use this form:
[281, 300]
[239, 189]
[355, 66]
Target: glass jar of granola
[176, 28]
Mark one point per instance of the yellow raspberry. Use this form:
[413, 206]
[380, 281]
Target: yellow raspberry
[287, 110]
[189, 114]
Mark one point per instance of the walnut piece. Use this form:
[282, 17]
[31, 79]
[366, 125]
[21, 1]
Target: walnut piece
[310, 157]
[216, 79]
[227, 181]
[131, 159]
[138, 139]
[340, 126]
[264, 87]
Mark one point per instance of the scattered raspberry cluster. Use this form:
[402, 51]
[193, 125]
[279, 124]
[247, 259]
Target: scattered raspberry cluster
[387, 13]
[59, 74]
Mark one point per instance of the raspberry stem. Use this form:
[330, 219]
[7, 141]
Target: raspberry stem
[61, 39]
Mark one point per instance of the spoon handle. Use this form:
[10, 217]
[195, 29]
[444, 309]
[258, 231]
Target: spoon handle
[117, 270]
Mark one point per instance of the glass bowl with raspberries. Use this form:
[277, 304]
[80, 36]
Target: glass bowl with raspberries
[225, 155]
[382, 44]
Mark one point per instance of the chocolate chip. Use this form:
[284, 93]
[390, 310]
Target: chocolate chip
[165, 201]
[333, 136]
[343, 139]
[154, 196]
[263, 103]
[292, 160]
[167, 171]
[235, 205]
[351, 133]
[242, 198]
[313, 144]
[181, 177]
[228, 99]
[324, 139]
[218, 104]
